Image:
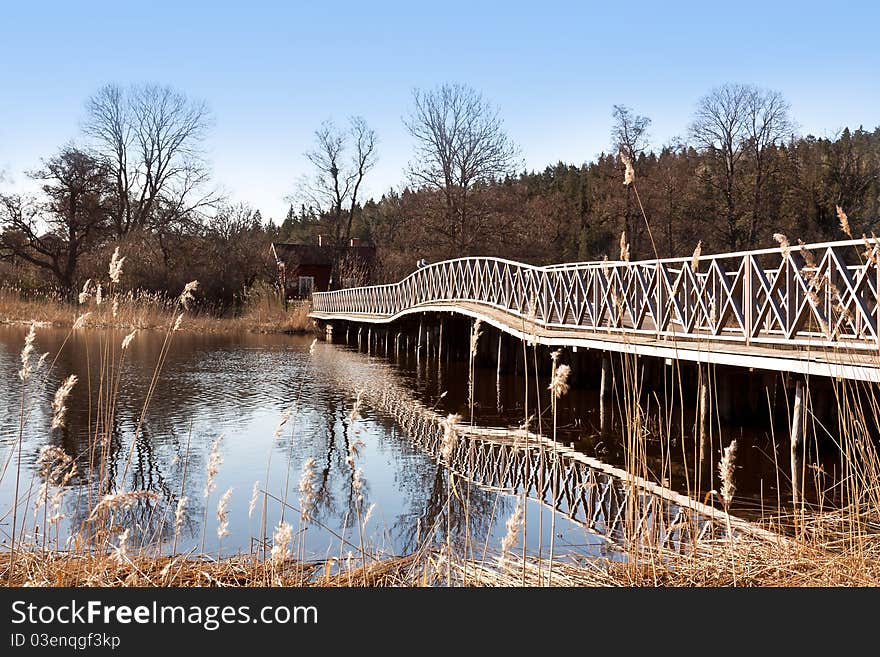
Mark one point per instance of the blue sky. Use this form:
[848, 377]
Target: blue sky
[272, 71]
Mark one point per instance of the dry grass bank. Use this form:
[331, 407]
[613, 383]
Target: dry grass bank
[263, 313]
[747, 563]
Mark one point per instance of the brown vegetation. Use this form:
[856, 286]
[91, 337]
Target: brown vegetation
[262, 312]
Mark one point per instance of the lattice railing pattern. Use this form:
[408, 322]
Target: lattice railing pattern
[621, 510]
[817, 294]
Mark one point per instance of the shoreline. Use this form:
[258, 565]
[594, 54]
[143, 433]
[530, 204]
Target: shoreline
[741, 564]
[49, 314]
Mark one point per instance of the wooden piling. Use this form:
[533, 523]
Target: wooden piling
[440, 343]
[603, 391]
[498, 374]
[419, 347]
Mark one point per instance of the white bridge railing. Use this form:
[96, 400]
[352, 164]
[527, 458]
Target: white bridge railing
[817, 294]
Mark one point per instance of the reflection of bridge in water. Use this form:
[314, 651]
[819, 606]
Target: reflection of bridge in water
[619, 507]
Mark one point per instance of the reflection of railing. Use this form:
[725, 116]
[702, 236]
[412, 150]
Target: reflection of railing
[612, 503]
[818, 294]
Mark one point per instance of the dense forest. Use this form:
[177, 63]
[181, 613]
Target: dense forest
[141, 183]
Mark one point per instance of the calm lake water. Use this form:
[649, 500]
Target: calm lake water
[240, 386]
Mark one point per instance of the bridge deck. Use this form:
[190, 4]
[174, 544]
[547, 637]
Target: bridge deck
[800, 359]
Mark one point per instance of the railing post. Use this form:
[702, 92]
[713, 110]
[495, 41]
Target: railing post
[877, 303]
[545, 293]
[748, 300]
[658, 312]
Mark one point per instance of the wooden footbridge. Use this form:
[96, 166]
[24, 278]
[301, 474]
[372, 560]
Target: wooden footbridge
[808, 309]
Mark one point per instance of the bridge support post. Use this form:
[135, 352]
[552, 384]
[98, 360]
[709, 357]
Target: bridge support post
[369, 340]
[498, 374]
[419, 345]
[328, 333]
[797, 441]
[603, 392]
[440, 344]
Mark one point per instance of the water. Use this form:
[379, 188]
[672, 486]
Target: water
[239, 387]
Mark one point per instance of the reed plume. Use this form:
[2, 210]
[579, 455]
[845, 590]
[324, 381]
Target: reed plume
[695, 258]
[514, 528]
[81, 321]
[26, 352]
[783, 242]
[127, 339]
[253, 502]
[281, 538]
[59, 408]
[187, 295]
[450, 436]
[116, 266]
[214, 463]
[558, 384]
[124, 500]
[307, 492]
[120, 551]
[85, 295]
[476, 332]
[369, 513]
[844, 221]
[223, 515]
[629, 174]
[624, 247]
[57, 469]
[180, 513]
[726, 471]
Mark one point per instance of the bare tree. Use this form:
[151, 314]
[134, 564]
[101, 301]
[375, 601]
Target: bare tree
[336, 184]
[52, 233]
[629, 132]
[720, 127]
[460, 143]
[767, 125]
[630, 137]
[151, 138]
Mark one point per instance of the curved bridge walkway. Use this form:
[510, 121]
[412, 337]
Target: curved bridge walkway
[810, 309]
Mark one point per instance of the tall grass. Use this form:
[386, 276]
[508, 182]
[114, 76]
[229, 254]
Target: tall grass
[262, 310]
